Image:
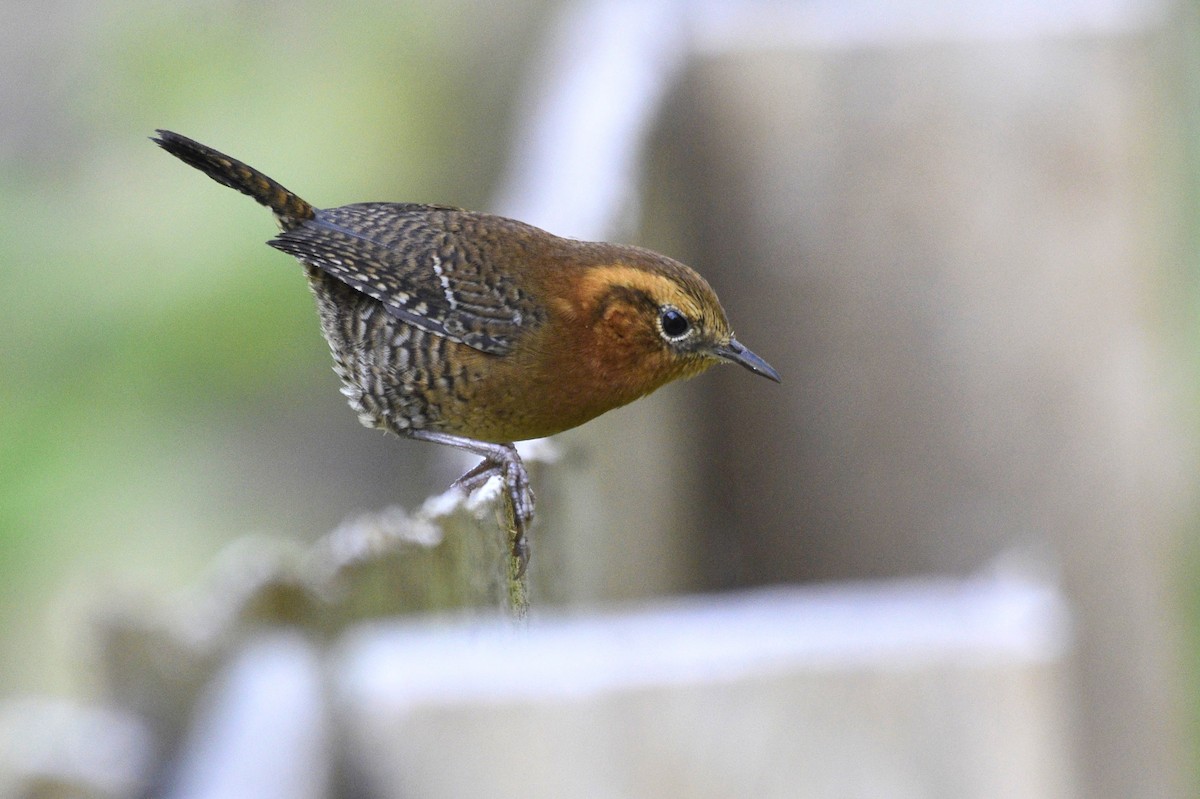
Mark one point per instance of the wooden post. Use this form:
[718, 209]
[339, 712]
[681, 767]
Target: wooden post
[963, 240]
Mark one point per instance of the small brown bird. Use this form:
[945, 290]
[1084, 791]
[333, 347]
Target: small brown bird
[476, 331]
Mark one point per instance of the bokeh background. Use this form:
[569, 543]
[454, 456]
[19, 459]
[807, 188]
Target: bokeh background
[965, 234]
[165, 385]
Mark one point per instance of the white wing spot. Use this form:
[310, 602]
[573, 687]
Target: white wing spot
[445, 281]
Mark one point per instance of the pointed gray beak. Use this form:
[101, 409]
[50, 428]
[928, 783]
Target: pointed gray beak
[735, 352]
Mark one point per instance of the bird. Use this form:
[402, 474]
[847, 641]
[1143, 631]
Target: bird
[476, 331]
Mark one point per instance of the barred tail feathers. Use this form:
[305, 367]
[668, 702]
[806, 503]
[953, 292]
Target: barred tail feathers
[231, 172]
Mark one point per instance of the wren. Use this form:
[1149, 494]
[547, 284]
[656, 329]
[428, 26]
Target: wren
[475, 331]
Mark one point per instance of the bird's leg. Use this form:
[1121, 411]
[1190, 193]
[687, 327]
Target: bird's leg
[499, 460]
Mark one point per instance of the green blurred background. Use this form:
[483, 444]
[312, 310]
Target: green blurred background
[165, 385]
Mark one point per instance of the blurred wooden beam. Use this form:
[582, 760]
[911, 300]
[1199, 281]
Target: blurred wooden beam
[935, 688]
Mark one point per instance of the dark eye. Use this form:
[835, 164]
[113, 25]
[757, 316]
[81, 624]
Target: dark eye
[674, 324]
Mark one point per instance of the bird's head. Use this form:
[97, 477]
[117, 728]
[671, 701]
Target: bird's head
[653, 320]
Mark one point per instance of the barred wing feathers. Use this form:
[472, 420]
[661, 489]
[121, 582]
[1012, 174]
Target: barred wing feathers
[439, 269]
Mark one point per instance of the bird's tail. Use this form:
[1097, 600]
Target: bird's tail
[290, 209]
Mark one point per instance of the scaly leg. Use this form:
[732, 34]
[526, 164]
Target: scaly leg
[499, 460]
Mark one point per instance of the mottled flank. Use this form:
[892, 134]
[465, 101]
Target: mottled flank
[391, 386]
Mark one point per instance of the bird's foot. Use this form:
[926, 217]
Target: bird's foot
[509, 468]
[503, 461]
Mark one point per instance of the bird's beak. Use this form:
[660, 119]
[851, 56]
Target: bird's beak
[735, 352]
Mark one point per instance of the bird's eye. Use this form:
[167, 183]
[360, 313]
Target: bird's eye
[673, 323]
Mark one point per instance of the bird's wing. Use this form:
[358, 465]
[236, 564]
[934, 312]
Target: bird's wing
[435, 268]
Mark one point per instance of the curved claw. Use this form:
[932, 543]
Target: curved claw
[475, 478]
